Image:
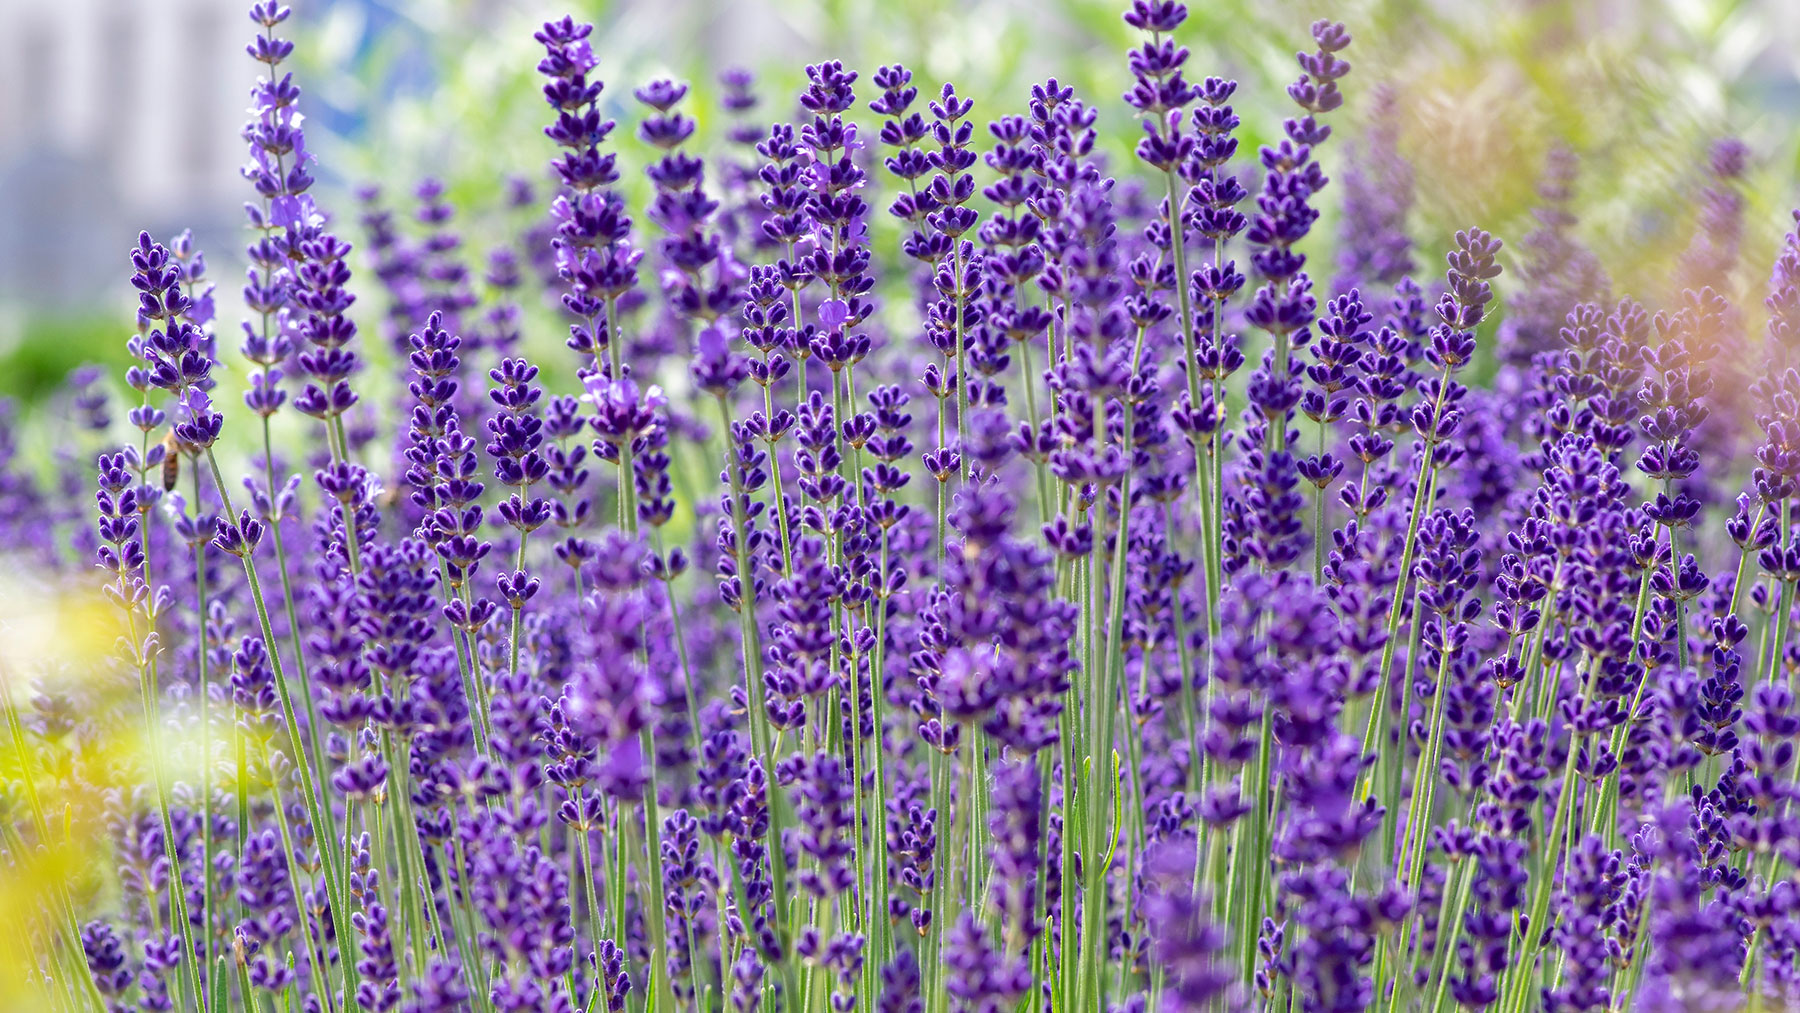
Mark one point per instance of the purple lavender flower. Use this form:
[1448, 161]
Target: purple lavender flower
[1040, 710]
[593, 252]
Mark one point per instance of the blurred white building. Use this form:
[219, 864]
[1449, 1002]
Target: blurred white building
[120, 115]
[114, 115]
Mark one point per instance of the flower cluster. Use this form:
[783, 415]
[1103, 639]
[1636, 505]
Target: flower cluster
[1099, 617]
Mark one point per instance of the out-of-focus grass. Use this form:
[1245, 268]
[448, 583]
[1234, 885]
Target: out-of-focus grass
[46, 344]
[59, 643]
[76, 761]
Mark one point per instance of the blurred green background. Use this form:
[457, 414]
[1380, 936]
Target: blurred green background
[401, 89]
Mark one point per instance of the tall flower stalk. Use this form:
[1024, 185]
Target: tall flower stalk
[1036, 700]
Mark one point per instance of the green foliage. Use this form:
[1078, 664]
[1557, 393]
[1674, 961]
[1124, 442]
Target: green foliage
[51, 343]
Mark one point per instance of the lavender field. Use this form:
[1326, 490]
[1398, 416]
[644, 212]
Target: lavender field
[851, 548]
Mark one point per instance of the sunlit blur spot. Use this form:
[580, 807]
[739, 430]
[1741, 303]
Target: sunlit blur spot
[38, 622]
[61, 642]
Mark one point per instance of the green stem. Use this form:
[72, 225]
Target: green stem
[1518, 985]
[322, 827]
[757, 719]
[206, 737]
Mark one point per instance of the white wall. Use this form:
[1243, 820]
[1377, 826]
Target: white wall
[113, 112]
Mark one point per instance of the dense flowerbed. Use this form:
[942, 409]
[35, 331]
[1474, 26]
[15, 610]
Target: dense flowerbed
[1074, 606]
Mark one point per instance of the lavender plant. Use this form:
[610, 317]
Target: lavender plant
[1019, 656]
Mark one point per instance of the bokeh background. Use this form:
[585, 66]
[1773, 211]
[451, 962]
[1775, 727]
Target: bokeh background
[117, 115]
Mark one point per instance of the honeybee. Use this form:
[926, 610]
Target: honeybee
[171, 463]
